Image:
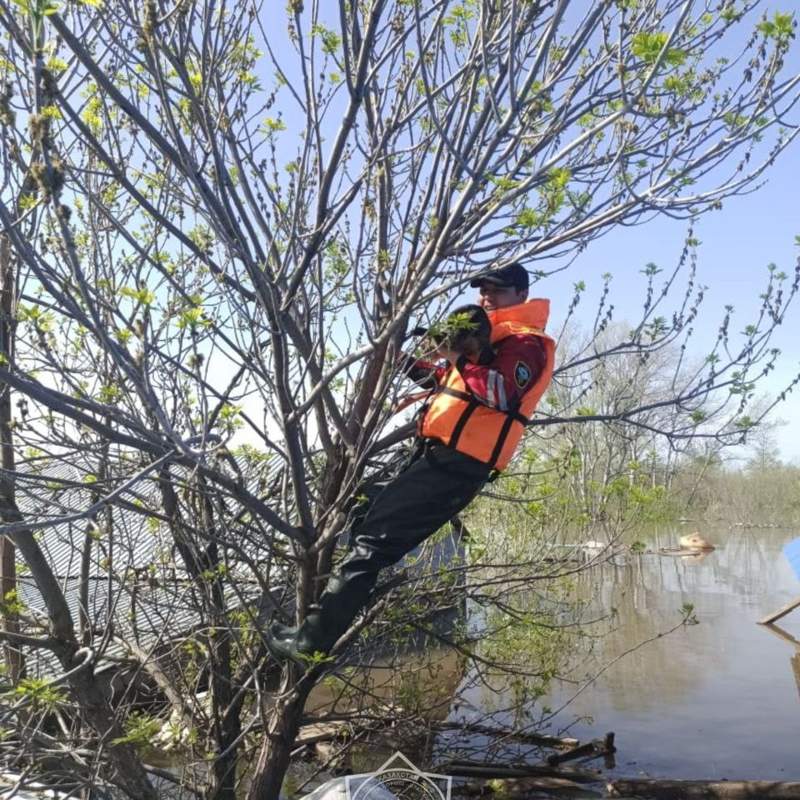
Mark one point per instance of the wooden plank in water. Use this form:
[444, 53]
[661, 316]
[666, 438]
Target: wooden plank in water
[796, 669]
[781, 612]
[785, 635]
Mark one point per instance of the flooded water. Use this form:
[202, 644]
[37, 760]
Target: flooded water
[713, 700]
[719, 699]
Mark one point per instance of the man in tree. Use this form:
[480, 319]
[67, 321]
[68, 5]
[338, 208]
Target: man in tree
[469, 428]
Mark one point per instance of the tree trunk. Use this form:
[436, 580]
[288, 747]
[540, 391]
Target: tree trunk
[226, 719]
[282, 729]
[129, 773]
[8, 567]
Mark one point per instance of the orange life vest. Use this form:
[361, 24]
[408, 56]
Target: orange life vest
[455, 417]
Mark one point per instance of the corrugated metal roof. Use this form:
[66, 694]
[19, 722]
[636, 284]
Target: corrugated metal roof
[137, 583]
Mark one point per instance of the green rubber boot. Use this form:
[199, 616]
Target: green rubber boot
[301, 646]
[339, 605]
[281, 631]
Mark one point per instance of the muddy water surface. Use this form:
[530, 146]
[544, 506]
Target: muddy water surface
[717, 699]
[712, 700]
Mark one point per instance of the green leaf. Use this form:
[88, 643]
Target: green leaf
[143, 295]
[192, 318]
[12, 603]
[528, 218]
[272, 125]
[648, 46]
[40, 693]
[331, 41]
[139, 729]
[780, 27]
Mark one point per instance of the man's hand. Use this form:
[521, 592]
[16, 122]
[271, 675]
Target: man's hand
[450, 355]
[437, 350]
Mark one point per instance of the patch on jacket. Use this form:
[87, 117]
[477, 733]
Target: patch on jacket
[522, 374]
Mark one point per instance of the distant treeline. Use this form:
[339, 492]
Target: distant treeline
[758, 494]
[568, 491]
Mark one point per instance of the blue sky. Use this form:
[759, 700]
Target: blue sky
[738, 243]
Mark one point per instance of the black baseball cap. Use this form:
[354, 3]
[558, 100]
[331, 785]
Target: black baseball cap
[513, 274]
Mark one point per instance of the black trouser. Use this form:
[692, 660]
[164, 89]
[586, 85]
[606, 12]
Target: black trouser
[425, 495]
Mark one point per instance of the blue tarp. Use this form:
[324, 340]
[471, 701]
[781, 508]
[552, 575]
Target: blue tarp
[792, 553]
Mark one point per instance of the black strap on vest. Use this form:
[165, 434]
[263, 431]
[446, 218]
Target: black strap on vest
[472, 404]
[501, 440]
[512, 416]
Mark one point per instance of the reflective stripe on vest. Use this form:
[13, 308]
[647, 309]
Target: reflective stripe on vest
[456, 418]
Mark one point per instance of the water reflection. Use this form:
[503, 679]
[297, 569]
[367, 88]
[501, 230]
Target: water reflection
[720, 699]
[795, 659]
[699, 702]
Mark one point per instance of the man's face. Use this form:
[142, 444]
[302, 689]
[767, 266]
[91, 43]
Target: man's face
[493, 297]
